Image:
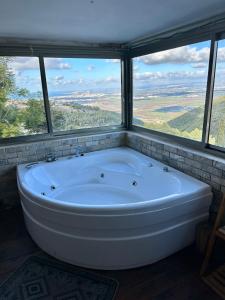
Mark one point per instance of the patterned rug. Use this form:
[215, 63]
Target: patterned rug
[44, 278]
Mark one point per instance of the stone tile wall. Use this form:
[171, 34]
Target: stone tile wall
[200, 165]
[11, 156]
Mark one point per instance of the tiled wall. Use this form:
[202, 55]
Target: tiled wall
[202, 166]
[10, 156]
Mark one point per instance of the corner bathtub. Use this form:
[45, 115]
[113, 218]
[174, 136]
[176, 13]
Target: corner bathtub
[111, 209]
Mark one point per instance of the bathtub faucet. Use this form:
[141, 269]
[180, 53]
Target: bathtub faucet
[78, 151]
[50, 157]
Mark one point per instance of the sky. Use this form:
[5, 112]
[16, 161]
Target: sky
[68, 74]
[183, 65]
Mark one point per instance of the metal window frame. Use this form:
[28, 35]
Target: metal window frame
[209, 92]
[168, 45]
[121, 126]
[127, 92]
[213, 36]
[207, 30]
[217, 38]
[66, 52]
[45, 95]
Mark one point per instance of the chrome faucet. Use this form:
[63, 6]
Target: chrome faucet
[50, 157]
[78, 151]
[30, 165]
[165, 169]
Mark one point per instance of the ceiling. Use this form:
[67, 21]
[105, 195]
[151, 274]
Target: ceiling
[100, 21]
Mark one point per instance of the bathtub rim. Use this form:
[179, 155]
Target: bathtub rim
[119, 209]
[158, 203]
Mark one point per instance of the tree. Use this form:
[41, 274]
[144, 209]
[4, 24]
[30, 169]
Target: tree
[33, 116]
[220, 135]
[7, 81]
[16, 121]
[8, 114]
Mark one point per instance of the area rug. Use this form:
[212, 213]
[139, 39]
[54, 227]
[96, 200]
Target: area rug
[44, 278]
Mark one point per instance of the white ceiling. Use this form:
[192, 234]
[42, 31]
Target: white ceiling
[101, 21]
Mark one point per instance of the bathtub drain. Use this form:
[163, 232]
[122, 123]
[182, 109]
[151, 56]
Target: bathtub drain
[134, 183]
[102, 175]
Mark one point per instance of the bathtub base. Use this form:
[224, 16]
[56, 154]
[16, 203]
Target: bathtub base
[112, 254]
[111, 209]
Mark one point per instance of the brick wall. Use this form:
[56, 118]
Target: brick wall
[202, 166]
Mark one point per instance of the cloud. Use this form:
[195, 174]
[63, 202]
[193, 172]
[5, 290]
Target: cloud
[107, 80]
[146, 76]
[57, 64]
[31, 82]
[90, 68]
[111, 79]
[20, 64]
[221, 54]
[60, 80]
[113, 60]
[181, 55]
[57, 80]
[199, 65]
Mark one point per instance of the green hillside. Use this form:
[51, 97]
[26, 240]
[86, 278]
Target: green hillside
[189, 120]
[193, 120]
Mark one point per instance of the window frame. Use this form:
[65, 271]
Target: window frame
[211, 31]
[67, 52]
[204, 144]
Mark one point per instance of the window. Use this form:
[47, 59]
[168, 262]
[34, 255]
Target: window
[21, 101]
[83, 93]
[170, 88]
[217, 125]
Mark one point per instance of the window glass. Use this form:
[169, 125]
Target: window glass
[21, 101]
[169, 89]
[83, 93]
[217, 126]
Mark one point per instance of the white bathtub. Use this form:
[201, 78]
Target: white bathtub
[111, 209]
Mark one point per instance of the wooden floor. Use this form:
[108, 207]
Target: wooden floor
[174, 278]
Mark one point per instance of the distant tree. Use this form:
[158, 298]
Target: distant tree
[220, 135]
[7, 82]
[13, 120]
[33, 116]
[7, 130]
[8, 114]
[23, 92]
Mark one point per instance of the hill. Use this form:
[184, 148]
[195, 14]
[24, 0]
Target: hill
[194, 119]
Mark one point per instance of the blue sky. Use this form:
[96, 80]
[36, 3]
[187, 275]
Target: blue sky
[179, 65]
[187, 65]
[68, 74]
[183, 65]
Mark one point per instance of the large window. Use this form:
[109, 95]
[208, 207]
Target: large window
[83, 93]
[169, 89]
[47, 95]
[217, 126]
[21, 101]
